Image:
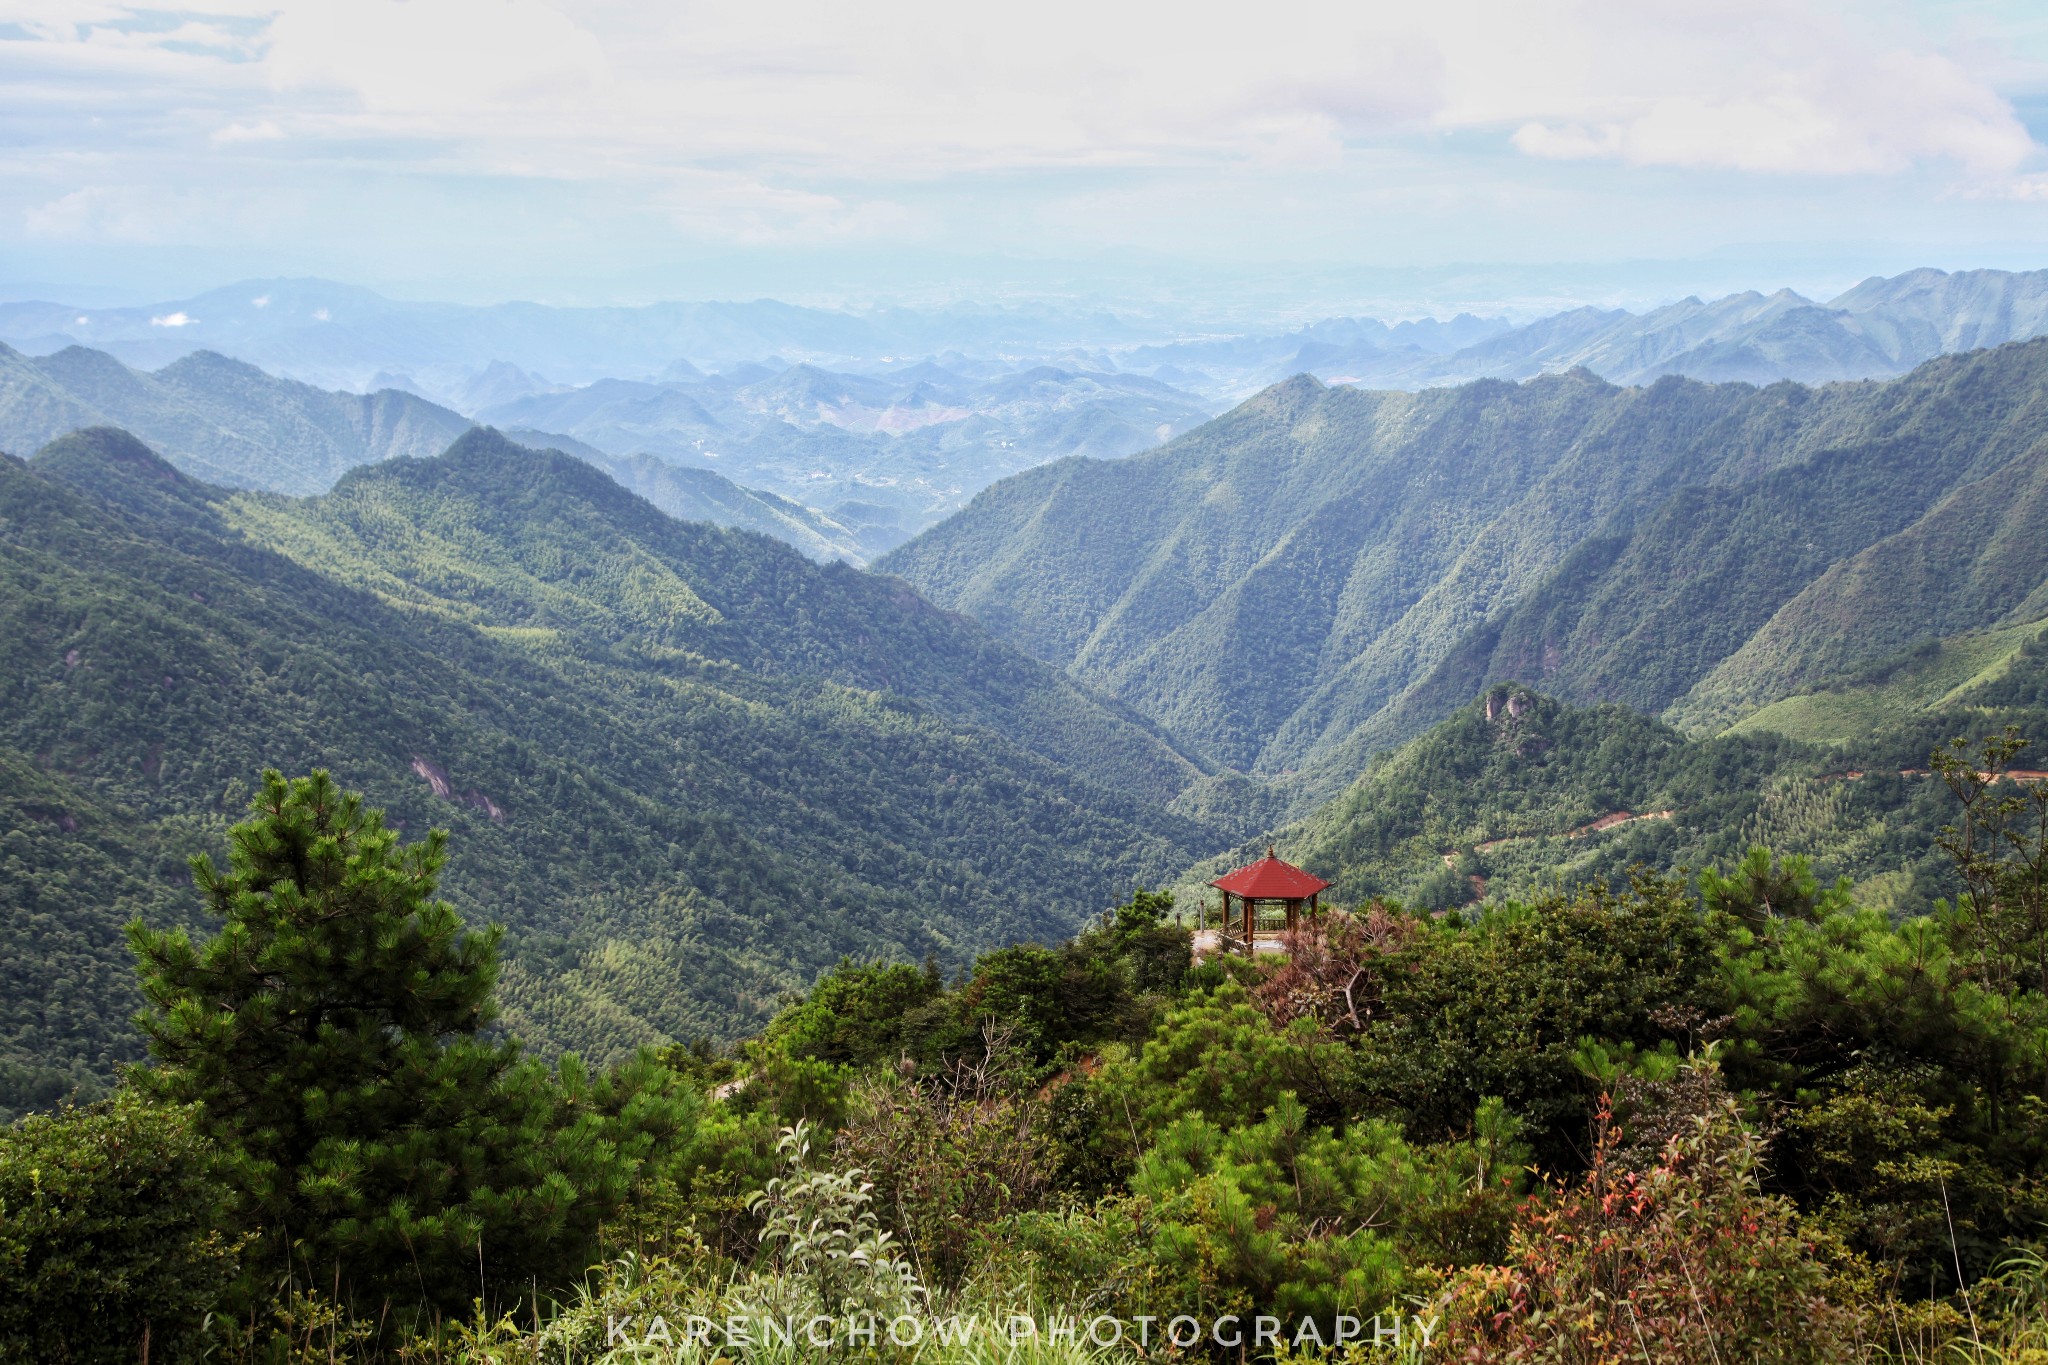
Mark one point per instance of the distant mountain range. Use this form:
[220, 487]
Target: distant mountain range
[863, 428]
[757, 448]
[341, 336]
[884, 455]
[478, 358]
[689, 767]
[1326, 572]
[230, 423]
[1880, 329]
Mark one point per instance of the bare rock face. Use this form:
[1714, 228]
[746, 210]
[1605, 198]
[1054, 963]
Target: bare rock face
[436, 777]
[1507, 705]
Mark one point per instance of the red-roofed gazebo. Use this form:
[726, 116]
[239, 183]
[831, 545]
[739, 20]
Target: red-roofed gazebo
[1269, 881]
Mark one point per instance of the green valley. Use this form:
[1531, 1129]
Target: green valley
[686, 766]
[745, 934]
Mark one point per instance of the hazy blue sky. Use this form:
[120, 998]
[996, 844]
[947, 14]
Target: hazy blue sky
[1291, 153]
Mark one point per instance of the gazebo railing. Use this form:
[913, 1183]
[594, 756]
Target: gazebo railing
[1269, 919]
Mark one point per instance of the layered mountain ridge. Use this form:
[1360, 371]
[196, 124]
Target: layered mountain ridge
[473, 357]
[883, 455]
[222, 420]
[228, 422]
[1880, 329]
[1325, 572]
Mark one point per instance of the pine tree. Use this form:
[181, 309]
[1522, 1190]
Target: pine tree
[334, 1035]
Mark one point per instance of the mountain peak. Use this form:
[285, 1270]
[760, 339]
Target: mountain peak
[202, 365]
[1289, 398]
[99, 451]
[111, 465]
[483, 461]
[487, 443]
[84, 364]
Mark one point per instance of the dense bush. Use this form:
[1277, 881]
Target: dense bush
[116, 1235]
[1661, 1251]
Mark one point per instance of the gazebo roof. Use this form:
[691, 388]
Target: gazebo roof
[1270, 879]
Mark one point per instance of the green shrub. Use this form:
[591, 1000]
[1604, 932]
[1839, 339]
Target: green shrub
[114, 1241]
[950, 1155]
[855, 1014]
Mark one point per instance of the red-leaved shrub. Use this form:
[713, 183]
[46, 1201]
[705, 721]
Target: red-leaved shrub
[1664, 1252]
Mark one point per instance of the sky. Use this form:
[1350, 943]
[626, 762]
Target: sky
[1289, 156]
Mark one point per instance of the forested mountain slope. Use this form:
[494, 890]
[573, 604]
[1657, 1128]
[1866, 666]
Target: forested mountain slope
[687, 766]
[1516, 792]
[218, 419]
[1978, 557]
[1323, 573]
[2001, 667]
[1914, 522]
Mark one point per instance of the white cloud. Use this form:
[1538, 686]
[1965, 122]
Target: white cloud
[265, 130]
[924, 87]
[260, 301]
[142, 214]
[173, 320]
[820, 120]
[1853, 112]
[456, 57]
[927, 87]
[2025, 189]
[746, 210]
[88, 214]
